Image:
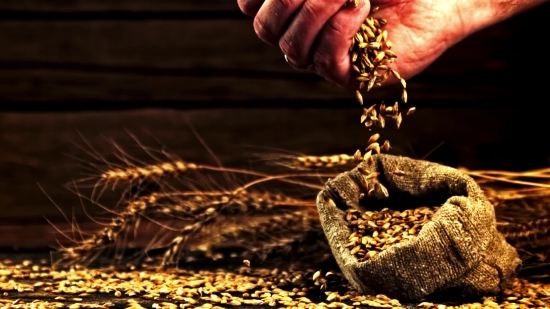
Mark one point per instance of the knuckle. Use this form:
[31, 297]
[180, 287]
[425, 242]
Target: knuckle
[286, 4]
[288, 47]
[263, 31]
[326, 55]
[310, 10]
[336, 28]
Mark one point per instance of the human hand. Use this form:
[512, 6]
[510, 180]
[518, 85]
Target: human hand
[319, 32]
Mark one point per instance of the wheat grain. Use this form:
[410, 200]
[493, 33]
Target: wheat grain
[371, 55]
[375, 231]
[149, 172]
[316, 162]
[373, 138]
[249, 287]
[357, 157]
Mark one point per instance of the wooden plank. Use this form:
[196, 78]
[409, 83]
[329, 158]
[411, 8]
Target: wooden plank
[55, 85]
[42, 148]
[199, 44]
[49, 85]
[120, 5]
[41, 234]
[223, 44]
[103, 60]
[170, 42]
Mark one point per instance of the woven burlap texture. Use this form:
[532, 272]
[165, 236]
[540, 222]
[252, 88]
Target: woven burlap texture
[459, 249]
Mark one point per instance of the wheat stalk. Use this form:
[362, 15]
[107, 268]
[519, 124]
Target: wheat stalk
[262, 222]
[281, 233]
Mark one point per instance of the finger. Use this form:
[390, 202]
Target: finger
[309, 20]
[250, 7]
[331, 49]
[273, 18]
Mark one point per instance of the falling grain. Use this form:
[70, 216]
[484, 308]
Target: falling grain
[398, 120]
[357, 156]
[368, 157]
[373, 138]
[386, 146]
[359, 96]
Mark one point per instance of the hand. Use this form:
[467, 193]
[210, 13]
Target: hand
[320, 31]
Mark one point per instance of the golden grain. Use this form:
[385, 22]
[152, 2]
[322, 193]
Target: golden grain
[373, 138]
[374, 147]
[369, 87]
[386, 146]
[372, 175]
[371, 58]
[384, 190]
[381, 121]
[357, 157]
[316, 275]
[382, 108]
[398, 172]
[368, 156]
[370, 237]
[359, 96]
[398, 120]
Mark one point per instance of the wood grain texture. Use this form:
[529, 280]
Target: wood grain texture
[156, 44]
[46, 150]
[199, 44]
[209, 59]
[66, 85]
[73, 6]
[53, 85]
[94, 55]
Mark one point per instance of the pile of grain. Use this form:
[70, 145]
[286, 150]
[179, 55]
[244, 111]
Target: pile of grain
[35, 285]
[375, 231]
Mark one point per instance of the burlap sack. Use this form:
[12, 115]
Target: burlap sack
[459, 250]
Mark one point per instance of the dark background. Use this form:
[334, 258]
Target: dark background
[100, 69]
